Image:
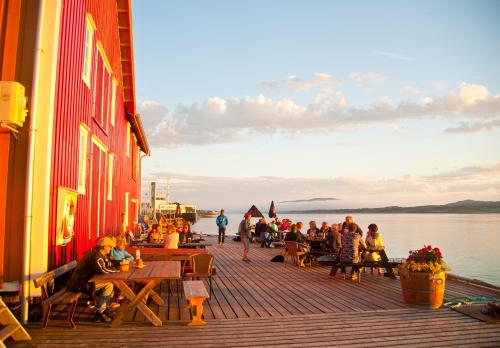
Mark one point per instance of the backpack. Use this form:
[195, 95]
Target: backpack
[278, 258]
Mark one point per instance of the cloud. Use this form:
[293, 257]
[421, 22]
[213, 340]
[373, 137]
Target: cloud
[218, 120]
[474, 128]
[475, 182]
[412, 90]
[299, 84]
[394, 127]
[393, 56]
[438, 85]
[367, 78]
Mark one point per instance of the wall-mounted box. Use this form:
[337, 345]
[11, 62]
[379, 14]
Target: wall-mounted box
[12, 103]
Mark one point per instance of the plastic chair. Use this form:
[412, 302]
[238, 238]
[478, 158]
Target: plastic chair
[202, 267]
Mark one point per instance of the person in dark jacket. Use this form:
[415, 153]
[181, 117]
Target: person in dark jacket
[95, 262]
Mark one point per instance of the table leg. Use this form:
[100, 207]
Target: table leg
[198, 304]
[334, 269]
[136, 301]
[385, 264]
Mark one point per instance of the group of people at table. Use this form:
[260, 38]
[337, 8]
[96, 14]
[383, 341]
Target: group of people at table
[175, 233]
[344, 240]
[110, 256]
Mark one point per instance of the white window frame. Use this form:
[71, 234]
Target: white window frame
[111, 158]
[113, 101]
[88, 48]
[127, 194]
[82, 159]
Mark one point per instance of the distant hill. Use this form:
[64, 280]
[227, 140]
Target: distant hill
[311, 200]
[461, 207]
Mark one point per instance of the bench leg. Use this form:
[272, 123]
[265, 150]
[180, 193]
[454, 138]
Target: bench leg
[71, 313]
[197, 303]
[333, 271]
[46, 314]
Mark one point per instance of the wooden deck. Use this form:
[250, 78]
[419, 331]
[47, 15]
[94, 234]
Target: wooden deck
[263, 303]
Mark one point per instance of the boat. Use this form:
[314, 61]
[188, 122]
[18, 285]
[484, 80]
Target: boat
[159, 205]
[207, 213]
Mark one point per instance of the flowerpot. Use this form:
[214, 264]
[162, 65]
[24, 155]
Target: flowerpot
[423, 289]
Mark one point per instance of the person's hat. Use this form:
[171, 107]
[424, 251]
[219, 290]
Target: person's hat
[106, 241]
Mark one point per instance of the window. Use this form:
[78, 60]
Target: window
[110, 176]
[103, 90]
[135, 163]
[125, 218]
[82, 158]
[113, 102]
[127, 141]
[87, 55]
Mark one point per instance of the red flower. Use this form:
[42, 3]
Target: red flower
[429, 248]
[421, 260]
[410, 258]
[437, 250]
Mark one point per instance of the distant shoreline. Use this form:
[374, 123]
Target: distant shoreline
[461, 207]
[373, 212]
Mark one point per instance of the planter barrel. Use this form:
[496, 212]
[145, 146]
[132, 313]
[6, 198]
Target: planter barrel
[423, 289]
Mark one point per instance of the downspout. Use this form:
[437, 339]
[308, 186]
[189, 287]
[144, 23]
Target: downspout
[28, 211]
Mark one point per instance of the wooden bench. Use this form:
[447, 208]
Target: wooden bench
[388, 265]
[49, 298]
[195, 293]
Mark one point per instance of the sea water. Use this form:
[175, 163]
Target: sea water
[470, 243]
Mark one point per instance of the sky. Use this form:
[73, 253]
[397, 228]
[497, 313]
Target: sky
[371, 103]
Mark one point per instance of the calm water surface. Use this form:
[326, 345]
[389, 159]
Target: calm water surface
[470, 242]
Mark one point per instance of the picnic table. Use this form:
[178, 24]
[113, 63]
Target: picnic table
[151, 275]
[384, 262]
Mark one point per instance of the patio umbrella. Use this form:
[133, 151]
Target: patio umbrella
[255, 212]
[272, 210]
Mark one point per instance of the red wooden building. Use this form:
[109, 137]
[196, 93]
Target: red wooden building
[72, 171]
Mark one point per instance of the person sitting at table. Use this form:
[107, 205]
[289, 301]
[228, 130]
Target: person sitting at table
[324, 230]
[350, 249]
[93, 263]
[272, 229]
[293, 235]
[171, 238]
[333, 240]
[285, 225]
[373, 239]
[155, 236]
[348, 221]
[119, 254]
[313, 231]
[186, 235]
[300, 224]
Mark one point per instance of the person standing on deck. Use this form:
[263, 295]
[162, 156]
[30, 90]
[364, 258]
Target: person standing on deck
[221, 222]
[244, 229]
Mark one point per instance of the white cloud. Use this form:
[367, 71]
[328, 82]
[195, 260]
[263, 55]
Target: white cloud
[438, 85]
[470, 93]
[220, 120]
[393, 55]
[477, 182]
[412, 90]
[299, 84]
[367, 78]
